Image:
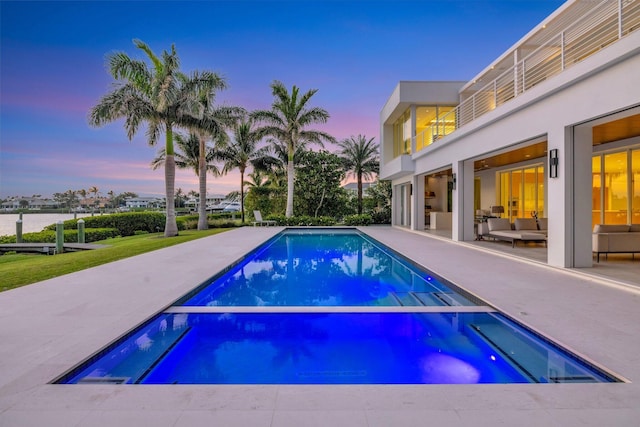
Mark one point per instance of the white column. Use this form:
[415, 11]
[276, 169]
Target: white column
[462, 216]
[582, 143]
[417, 199]
[569, 198]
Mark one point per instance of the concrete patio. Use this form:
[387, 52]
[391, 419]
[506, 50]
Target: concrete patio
[48, 327]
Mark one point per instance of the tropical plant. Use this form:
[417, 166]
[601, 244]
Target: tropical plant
[241, 152]
[257, 179]
[187, 155]
[112, 196]
[378, 202]
[94, 190]
[259, 192]
[83, 193]
[212, 126]
[360, 157]
[160, 97]
[179, 198]
[317, 186]
[287, 123]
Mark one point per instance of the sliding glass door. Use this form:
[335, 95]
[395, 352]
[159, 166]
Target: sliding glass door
[616, 187]
[522, 192]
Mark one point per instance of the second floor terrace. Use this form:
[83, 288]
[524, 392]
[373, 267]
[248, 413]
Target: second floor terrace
[574, 32]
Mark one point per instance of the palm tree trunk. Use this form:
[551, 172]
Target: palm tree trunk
[290, 172]
[203, 224]
[170, 226]
[359, 194]
[242, 194]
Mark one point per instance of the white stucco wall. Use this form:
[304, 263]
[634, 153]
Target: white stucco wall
[608, 82]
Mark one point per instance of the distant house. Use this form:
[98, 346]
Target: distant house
[352, 187]
[32, 203]
[144, 202]
[212, 199]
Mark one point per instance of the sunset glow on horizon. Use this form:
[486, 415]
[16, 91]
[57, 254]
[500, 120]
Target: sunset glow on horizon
[52, 71]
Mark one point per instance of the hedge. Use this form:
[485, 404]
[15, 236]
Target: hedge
[303, 220]
[364, 219]
[126, 223]
[70, 236]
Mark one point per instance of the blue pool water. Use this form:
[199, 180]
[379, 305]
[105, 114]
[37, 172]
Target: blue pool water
[343, 268]
[202, 340]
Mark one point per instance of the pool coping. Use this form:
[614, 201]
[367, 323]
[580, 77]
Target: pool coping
[48, 327]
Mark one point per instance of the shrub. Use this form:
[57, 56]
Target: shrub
[223, 223]
[70, 236]
[353, 220]
[126, 223]
[303, 220]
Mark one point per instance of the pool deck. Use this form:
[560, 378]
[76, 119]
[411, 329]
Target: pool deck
[48, 327]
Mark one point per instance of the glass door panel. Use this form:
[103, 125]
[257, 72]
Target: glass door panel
[515, 205]
[540, 195]
[615, 188]
[635, 186]
[529, 195]
[596, 185]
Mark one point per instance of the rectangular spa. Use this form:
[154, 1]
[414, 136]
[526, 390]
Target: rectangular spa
[318, 308]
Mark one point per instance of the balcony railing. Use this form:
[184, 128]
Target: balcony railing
[601, 26]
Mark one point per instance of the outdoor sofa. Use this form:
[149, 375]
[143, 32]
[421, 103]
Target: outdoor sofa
[616, 238]
[523, 229]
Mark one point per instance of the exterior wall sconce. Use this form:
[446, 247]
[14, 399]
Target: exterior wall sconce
[553, 163]
[453, 182]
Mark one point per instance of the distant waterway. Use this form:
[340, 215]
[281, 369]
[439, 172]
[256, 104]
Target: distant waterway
[32, 222]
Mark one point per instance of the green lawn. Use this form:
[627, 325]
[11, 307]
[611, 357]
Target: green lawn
[20, 269]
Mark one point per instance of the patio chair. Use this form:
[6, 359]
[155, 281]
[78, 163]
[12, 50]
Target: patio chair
[259, 221]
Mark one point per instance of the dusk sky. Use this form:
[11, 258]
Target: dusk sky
[52, 71]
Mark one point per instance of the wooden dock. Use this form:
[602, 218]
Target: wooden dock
[46, 248]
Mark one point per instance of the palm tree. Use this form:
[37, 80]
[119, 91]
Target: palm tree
[158, 97]
[287, 121]
[258, 179]
[83, 194]
[241, 152]
[94, 190]
[188, 156]
[112, 196]
[212, 125]
[360, 158]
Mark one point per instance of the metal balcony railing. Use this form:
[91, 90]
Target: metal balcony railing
[596, 29]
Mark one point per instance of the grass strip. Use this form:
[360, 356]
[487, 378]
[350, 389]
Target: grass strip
[20, 269]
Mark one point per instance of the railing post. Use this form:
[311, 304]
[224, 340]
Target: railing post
[473, 106]
[523, 66]
[80, 231]
[562, 51]
[619, 19]
[515, 73]
[59, 237]
[19, 230]
[495, 93]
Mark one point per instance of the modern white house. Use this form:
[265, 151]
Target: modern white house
[550, 128]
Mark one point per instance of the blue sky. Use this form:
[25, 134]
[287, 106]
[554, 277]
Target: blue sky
[52, 71]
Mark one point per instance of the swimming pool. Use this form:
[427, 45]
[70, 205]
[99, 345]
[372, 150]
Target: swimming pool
[315, 268]
[364, 334]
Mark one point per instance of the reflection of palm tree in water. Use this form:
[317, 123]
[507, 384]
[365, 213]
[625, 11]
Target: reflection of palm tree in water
[330, 270]
[293, 343]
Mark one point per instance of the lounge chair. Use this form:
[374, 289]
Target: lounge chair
[259, 221]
